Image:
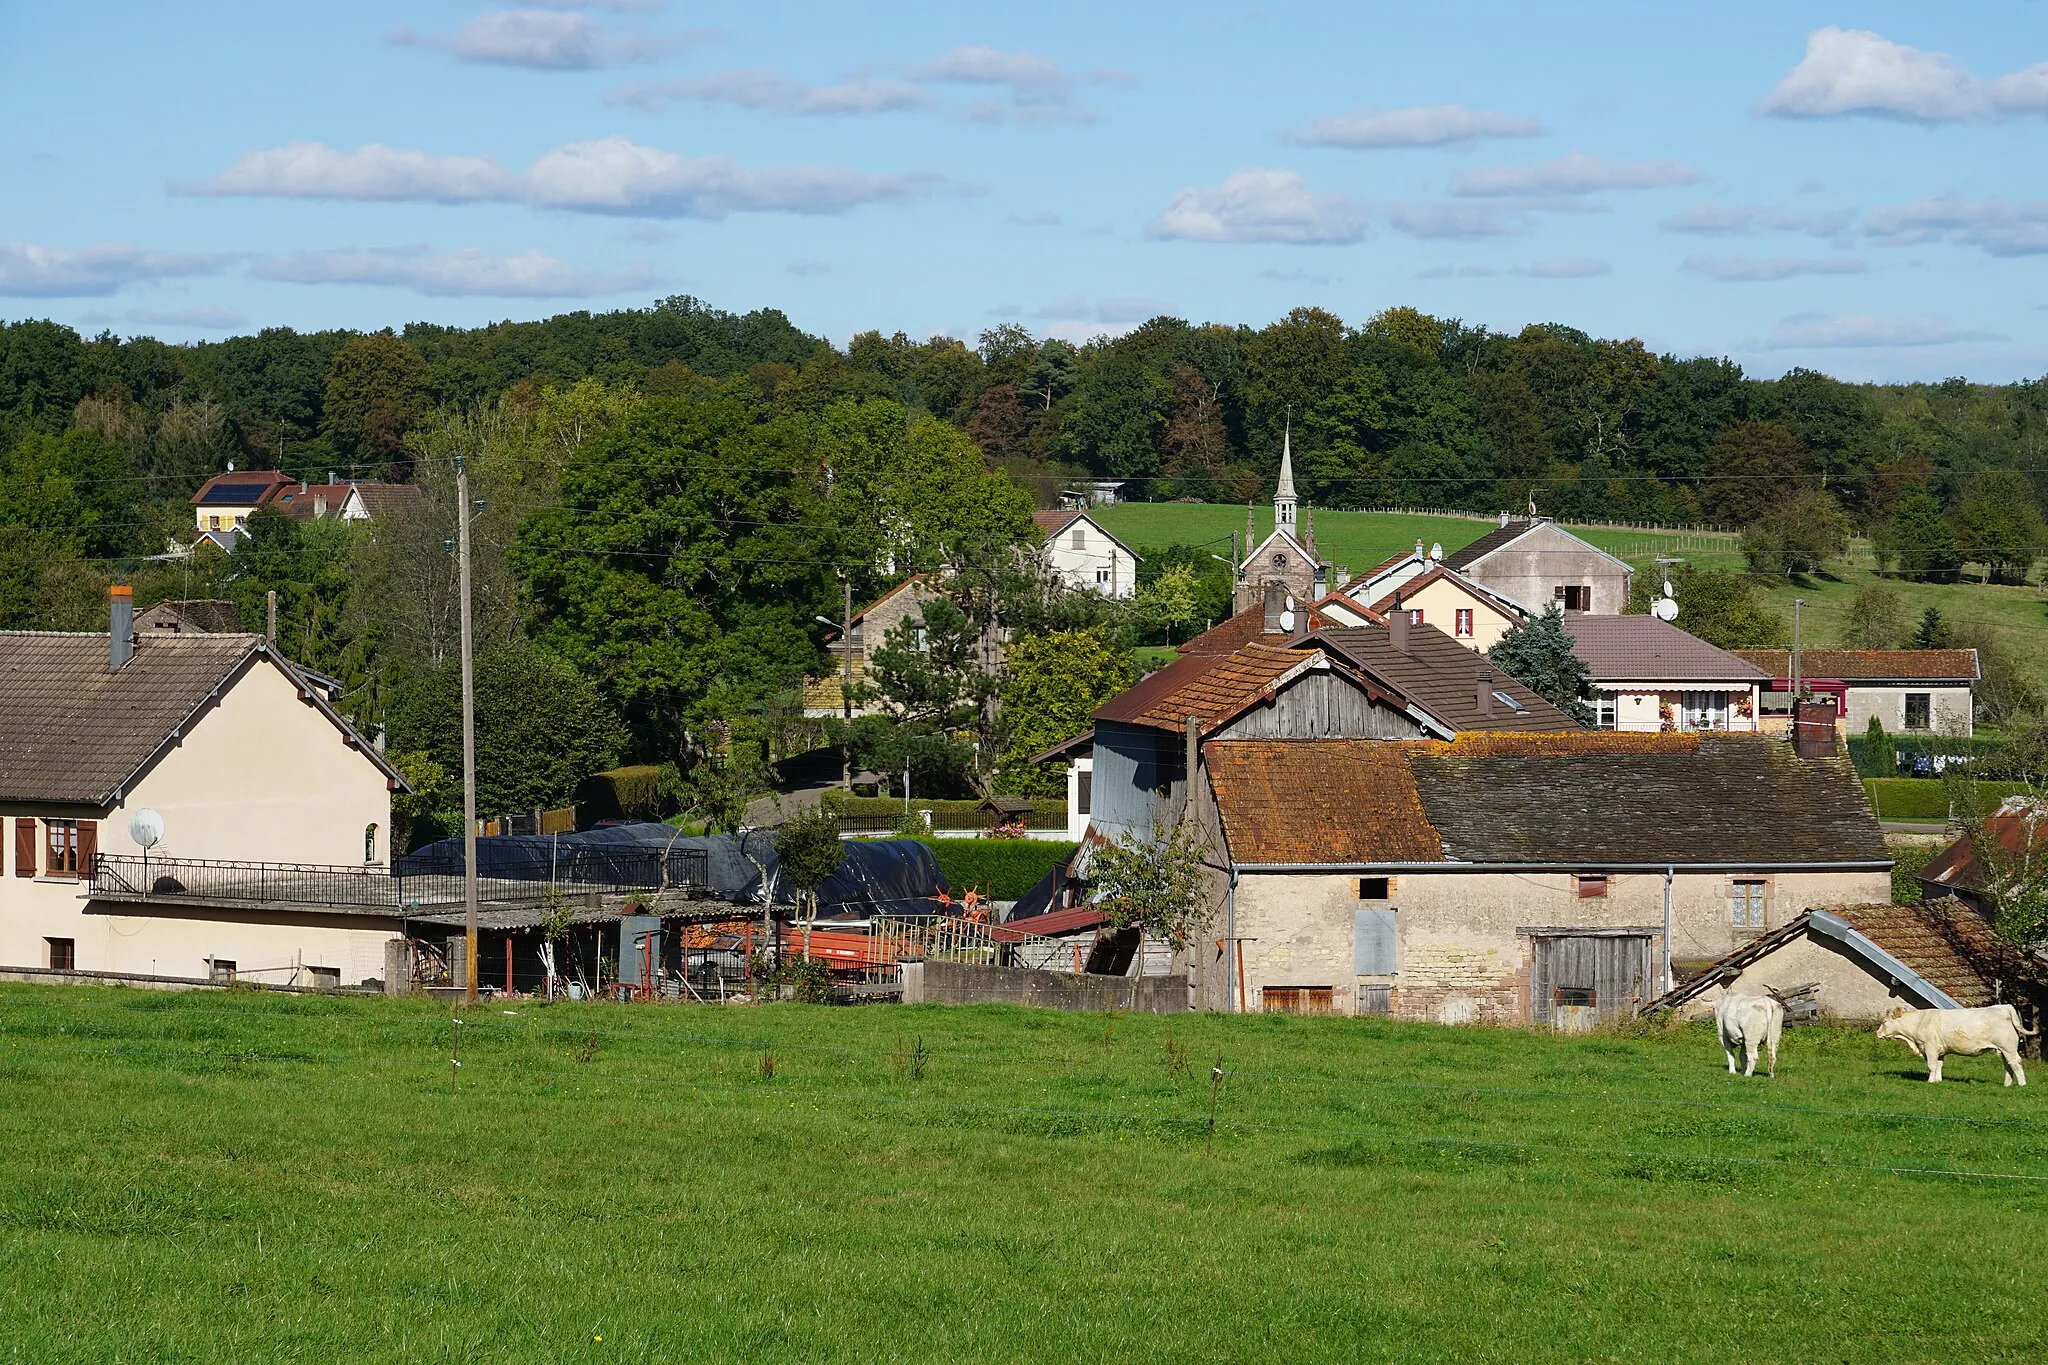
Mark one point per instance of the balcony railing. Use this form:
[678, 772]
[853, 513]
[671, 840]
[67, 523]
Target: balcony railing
[430, 885]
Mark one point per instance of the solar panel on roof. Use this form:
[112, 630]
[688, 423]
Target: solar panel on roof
[233, 492]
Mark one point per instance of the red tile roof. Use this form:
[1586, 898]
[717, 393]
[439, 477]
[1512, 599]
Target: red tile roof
[1869, 665]
[1051, 523]
[1364, 806]
[1208, 688]
[1249, 625]
[1947, 943]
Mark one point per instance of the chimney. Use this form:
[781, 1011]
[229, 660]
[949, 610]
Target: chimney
[319, 505]
[1484, 693]
[1418, 549]
[1397, 626]
[1503, 521]
[330, 478]
[1322, 586]
[1276, 603]
[120, 626]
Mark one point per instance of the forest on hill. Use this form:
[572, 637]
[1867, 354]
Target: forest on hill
[674, 495]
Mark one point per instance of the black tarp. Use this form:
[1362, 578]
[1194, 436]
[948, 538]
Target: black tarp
[886, 876]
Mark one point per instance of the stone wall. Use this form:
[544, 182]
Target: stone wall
[962, 983]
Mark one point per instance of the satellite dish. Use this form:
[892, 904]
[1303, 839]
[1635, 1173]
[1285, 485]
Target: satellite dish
[1290, 601]
[1667, 589]
[1287, 618]
[146, 828]
[1436, 551]
[1664, 609]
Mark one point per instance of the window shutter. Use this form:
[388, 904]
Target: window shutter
[88, 847]
[24, 847]
[1375, 941]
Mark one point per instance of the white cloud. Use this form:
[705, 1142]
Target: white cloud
[1855, 71]
[1440, 220]
[1121, 314]
[29, 270]
[204, 317]
[1572, 174]
[604, 175]
[1743, 269]
[768, 91]
[1819, 332]
[1294, 277]
[541, 39]
[1747, 220]
[450, 274]
[1467, 272]
[1437, 125]
[1565, 268]
[1037, 89]
[2001, 227]
[1043, 218]
[1254, 204]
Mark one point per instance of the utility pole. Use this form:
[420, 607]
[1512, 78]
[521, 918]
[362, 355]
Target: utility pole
[469, 963]
[270, 610]
[846, 680]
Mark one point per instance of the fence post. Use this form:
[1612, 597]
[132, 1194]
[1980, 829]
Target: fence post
[1215, 1082]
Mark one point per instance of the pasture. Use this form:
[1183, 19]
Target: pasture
[265, 1177]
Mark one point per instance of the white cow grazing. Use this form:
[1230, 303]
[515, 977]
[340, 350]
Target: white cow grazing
[1932, 1033]
[1747, 1022]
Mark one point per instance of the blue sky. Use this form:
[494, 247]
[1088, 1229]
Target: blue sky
[1852, 188]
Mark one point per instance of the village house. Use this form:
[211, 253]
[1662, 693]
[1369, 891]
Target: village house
[871, 626]
[1080, 553]
[1463, 608]
[1536, 564]
[123, 751]
[1910, 691]
[1288, 556]
[1532, 878]
[1649, 675]
[225, 502]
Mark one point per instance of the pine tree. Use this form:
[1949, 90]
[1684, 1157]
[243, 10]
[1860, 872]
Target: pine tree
[1923, 541]
[1538, 654]
[1933, 632]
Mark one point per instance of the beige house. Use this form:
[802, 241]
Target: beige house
[1467, 611]
[225, 502]
[1538, 564]
[1648, 675]
[223, 750]
[1510, 878]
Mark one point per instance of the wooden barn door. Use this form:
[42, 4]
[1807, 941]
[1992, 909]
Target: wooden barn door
[1577, 979]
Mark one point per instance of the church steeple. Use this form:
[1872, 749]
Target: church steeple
[1284, 501]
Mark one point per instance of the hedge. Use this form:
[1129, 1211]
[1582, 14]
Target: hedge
[1002, 868]
[1926, 798]
[619, 794]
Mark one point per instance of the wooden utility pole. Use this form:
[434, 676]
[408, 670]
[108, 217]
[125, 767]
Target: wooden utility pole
[270, 611]
[469, 963]
[846, 681]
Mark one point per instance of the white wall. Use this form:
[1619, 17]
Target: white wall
[1952, 709]
[1082, 566]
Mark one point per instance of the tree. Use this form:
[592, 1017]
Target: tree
[1876, 618]
[1754, 465]
[1171, 601]
[541, 728]
[1719, 607]
[374, 393]
[2007, 692]
[1920, 541]
[1151, 884]
[1999, 525]
[1538, 654]
[809, 849]
[1877, 751]
[1801, 532]
[1054, 683]
[419, 811]
[1933, 632]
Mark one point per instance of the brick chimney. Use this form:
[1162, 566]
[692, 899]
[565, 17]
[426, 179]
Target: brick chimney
[1397, 625]
[120, 626]
[1276, 603]
[1483, 694]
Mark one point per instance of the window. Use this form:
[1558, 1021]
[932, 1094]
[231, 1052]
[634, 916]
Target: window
[60, 848]
[220, 971]
[1464, 623]
[63, 954]
[1576, 997]
[1080, 540]
[1576, 597]
[1592, 885]
[1375, 888]
[1102, 578]
[1746, 904]
[1279, 561]
[1603, 710]
[1705, 710]
[1509, 702]
[213, 523]
[1415, 616]
[1919, 710]
[1374, 940]
[1084, 792]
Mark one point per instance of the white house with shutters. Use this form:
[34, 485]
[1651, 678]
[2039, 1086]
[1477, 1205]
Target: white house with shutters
[1085, 556]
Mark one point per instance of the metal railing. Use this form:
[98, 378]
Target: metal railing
[432, 883]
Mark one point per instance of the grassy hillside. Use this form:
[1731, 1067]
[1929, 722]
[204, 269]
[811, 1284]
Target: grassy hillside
[242, 1176]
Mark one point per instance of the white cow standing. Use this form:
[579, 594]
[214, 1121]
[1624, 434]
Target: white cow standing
[1932, 1033]
[1745, 1023]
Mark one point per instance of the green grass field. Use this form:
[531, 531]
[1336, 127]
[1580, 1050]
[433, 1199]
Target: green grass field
[247, 1176]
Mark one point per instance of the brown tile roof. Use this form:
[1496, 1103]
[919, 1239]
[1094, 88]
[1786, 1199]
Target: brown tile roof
[1947, 943]
[303, 502]
[1056, 520]
[1869, 665]
[1722, 800]
[1589, 799]
[1249, 625]
[72, 731]
[382, 499]
[1209, 688]
[1645, 649]
[1319, 801]
[1441, 676]
[1958, 866]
